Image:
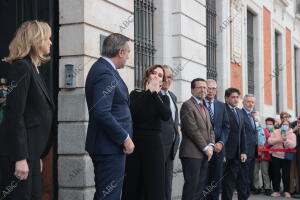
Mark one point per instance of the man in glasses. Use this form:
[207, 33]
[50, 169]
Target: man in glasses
[220, 123]
[169, 132]
[198, 140]
[251, 137]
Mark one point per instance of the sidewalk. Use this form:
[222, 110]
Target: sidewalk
[263, 197]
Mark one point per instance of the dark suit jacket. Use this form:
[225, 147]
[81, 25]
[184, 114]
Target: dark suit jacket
[109, 115]
[197, 133]
[251, 136]
[29, 114]
[169, 130]
[297, 133]
[236, 142]
[221, 123]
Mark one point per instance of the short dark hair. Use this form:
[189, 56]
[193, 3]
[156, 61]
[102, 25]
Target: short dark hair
[270, 119]
[193, 83]
[229, 91]
[113, 43]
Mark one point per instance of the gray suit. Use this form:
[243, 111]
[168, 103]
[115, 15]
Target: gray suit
[197, 133]
[170, 138]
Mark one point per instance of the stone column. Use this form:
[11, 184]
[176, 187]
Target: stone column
[83, 26]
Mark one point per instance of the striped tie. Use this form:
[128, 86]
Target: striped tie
[235, 115]
[210, 112]
[251, 120]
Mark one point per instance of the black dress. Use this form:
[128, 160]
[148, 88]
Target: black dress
[144, 175]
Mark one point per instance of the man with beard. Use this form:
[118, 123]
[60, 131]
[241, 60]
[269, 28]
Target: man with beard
[198, 140]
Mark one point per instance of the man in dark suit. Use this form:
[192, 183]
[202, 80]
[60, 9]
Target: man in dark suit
[220, 123]
[235, 149]
[296, 129]
[198, 140]
[169, 132]
[251, 137]
[110, 125]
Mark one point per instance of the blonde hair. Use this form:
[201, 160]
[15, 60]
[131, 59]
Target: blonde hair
[29, 40]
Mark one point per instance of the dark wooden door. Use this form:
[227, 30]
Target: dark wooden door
[12, 14]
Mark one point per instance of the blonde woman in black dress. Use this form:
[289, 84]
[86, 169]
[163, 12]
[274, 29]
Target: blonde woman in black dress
[29, 114]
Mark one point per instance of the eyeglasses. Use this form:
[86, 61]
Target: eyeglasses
[211, 88]
[284, 117]
[169, 77]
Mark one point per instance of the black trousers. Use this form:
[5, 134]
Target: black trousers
[250, 168]
[214, 180]
[285, 166]
[13, 189]
[235, 177]
[169, 165]
[270, 172]
[194, 173]
[144, 179]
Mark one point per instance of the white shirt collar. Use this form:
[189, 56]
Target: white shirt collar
[164, 92]
[206, 101]
[197, 100]
[247, 111]
[110, 62]
[231, 106]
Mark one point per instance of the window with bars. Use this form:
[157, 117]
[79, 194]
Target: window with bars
[277, 72]
[211, 39]
[143, 39]
[250, 52]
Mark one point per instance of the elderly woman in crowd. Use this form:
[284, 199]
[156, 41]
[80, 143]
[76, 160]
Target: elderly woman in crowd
[282, 139]
[263, 159]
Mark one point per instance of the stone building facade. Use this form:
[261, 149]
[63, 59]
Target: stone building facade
[249, 44]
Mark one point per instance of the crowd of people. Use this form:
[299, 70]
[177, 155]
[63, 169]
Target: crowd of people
[133, 138]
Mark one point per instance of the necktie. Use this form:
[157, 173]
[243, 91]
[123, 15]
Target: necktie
[235, 115]
[251, 120]
[210, 112]
[172, 106]
[202, 111]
